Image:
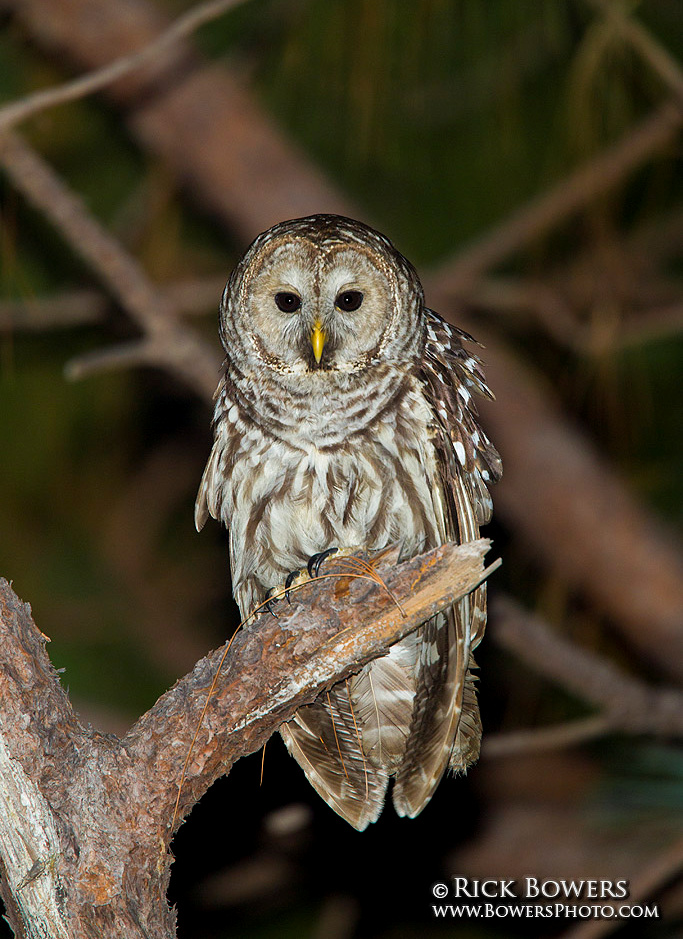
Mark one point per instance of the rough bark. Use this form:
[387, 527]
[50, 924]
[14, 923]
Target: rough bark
[86, 819]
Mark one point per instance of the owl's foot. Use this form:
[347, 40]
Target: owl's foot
[296, 579]
[316, 560]
[275, 594]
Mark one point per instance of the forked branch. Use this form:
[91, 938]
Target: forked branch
[86, 819]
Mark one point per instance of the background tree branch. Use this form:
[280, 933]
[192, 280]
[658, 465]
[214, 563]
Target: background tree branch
[624, 703]
[165, 342]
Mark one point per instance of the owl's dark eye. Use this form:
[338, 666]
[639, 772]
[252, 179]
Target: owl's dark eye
[349, 300]
[287, 302]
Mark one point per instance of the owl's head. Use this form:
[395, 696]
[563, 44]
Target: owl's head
[322, 295]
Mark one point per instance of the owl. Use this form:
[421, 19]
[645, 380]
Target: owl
[345, 418]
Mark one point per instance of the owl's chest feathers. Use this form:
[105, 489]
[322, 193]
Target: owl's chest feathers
[374, 486]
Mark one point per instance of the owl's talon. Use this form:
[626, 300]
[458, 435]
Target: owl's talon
[291, 577]
[316, 560]
[296, 578]
[271, 598]
[289, 580]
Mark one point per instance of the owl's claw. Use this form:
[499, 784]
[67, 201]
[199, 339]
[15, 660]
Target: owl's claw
[291, 577]
[271, 598]
[295, 579]
[316, 560]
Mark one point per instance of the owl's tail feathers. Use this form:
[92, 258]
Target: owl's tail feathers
[323, 739]
[446, 728]
[436, 714]
[468, 738]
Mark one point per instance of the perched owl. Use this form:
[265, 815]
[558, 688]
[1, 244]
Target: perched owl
[345, 418]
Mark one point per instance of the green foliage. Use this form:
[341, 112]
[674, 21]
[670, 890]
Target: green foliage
[417, 107]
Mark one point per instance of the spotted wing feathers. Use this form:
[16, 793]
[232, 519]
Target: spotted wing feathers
[445, 728]
[453, 375]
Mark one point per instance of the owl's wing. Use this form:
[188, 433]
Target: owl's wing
[208, 495]
[324, 738]
[227, 435]
[452, 375]
[445, 727]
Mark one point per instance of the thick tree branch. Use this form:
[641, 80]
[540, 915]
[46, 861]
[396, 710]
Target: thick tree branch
[89, 851]
[285, 662]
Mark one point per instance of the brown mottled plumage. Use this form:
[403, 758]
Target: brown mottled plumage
[345, 419]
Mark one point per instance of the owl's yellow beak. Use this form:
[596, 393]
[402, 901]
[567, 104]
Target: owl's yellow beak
[318, 338]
